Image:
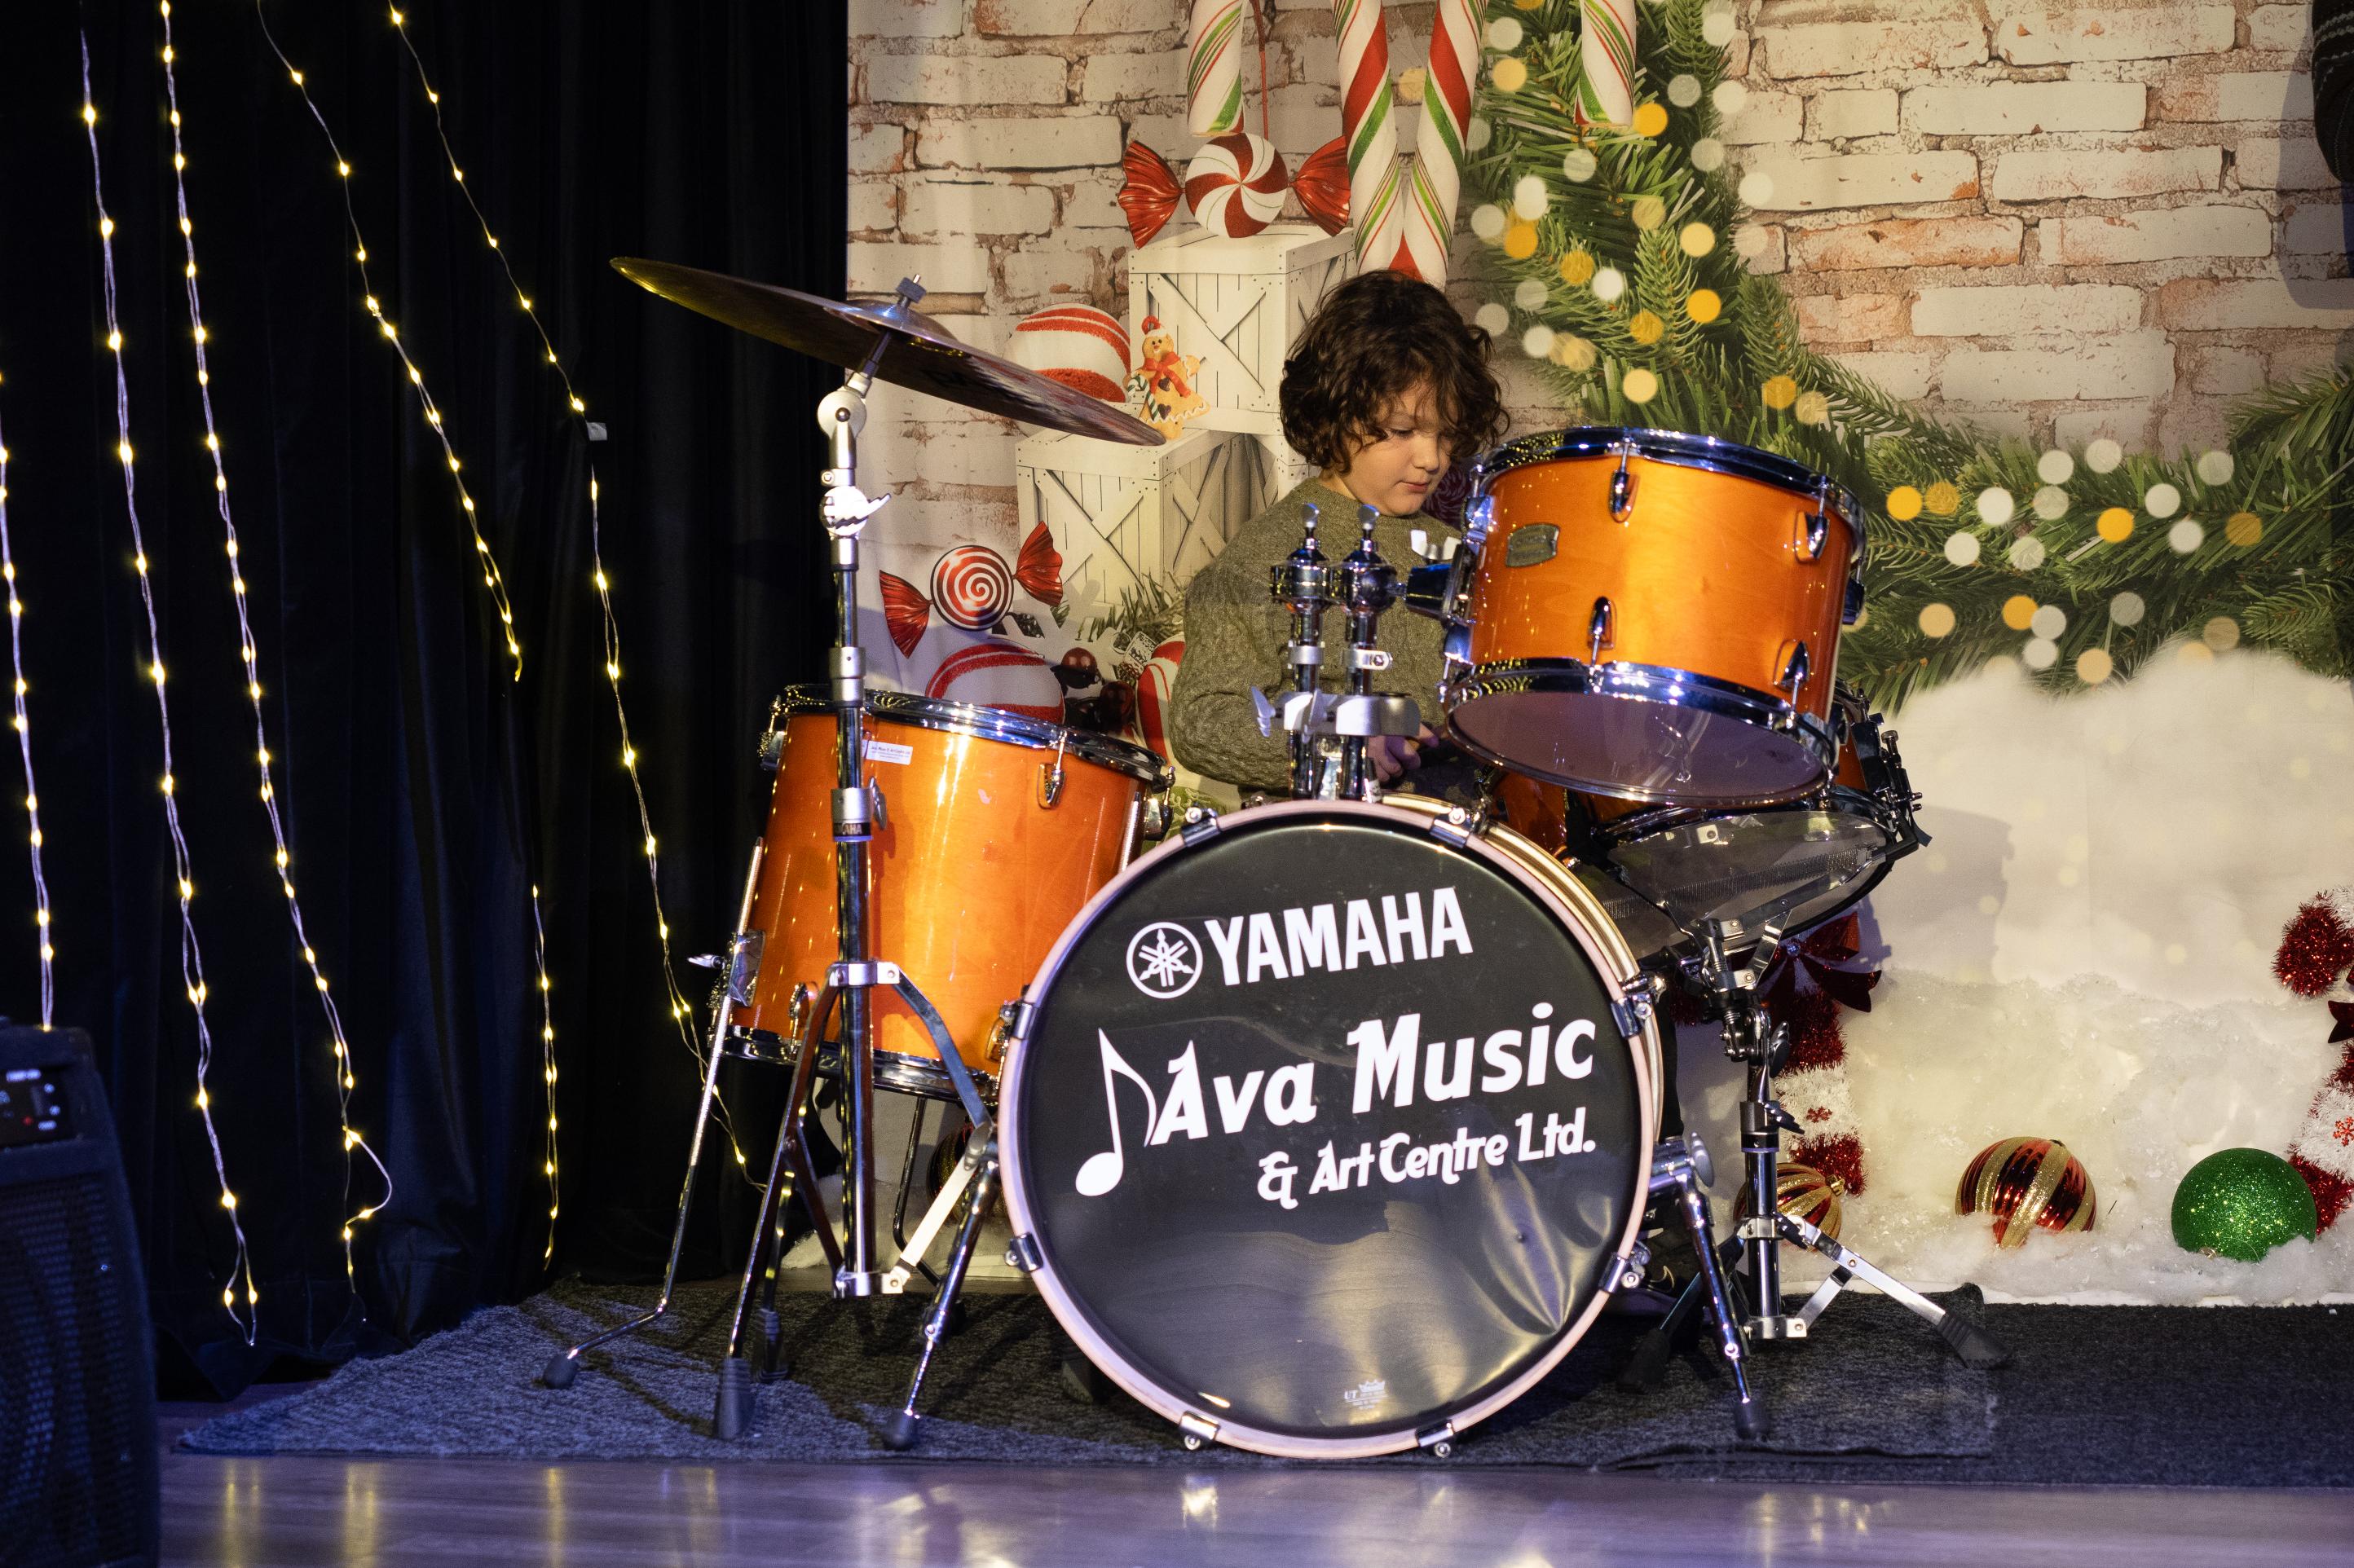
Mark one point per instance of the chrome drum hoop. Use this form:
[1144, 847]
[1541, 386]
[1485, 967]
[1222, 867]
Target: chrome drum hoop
[1679, 447]
[1640, 683]
[1580, 914]
[896, 1071]
[979, 721]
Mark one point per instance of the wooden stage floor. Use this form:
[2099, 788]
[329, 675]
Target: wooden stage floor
[309, 1513]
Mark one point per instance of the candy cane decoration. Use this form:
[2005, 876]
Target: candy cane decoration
[1406, 217]
[1606, 48]
[1365, 122]
[1214, 68]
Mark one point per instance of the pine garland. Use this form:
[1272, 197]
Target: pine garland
[1625, 258]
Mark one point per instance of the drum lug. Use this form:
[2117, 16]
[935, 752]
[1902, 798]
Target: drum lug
[1200, 823]
[797, 1011]
[1196, 1430]
[744, 965]
[1438, 1439]
[1459, 825]
[1601, 629]
[1050, 775]
[1797, 665]
[1022, 1253]
[1852, 610]
[1622, 483]
[1013, 1026]
[1632, 1013]
[1627, 1269]
[1814, 534]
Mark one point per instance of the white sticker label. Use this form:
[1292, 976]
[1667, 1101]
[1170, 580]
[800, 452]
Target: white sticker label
[889, 751]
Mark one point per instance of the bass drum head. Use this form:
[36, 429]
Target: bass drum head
[1322, 1130]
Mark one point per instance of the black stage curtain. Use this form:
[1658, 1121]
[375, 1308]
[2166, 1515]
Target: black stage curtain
[424, 789]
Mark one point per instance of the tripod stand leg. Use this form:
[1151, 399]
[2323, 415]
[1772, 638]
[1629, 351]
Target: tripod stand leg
[732, 1411]
[1680, 1328]
[1750, 1417]
[565, 1365]
[1978, 1348]
[907, 1185]
[901, 1432]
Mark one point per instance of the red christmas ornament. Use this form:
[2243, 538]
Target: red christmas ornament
[2315, 947]
[1803, 1192]
[2024, 1183]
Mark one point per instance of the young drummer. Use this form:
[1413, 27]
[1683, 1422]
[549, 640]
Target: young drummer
[1386, 390]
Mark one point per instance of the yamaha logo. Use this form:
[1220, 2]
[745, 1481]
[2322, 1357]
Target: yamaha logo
[1164, 960]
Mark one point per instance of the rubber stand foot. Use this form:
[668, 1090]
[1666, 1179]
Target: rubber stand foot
[732, 1413]
[1648, 1364]
[899, 1431]
[1083, 1382]
[1753, 1421]
[560, 1370]
[1979, 1351]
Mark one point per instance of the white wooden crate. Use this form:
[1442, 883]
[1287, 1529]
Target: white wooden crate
[1124, 516]
[1239, 305]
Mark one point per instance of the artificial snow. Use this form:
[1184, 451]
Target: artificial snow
[2084, 953]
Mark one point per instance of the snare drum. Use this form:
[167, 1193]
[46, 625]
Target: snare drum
[1655, 616]
[1322, 1130]
[1794, 865]
[994, 829]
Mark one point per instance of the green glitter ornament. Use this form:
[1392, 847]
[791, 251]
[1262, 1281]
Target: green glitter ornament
[2242, 1203]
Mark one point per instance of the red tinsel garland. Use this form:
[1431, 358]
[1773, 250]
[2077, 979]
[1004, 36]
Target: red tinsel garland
[2316, 948]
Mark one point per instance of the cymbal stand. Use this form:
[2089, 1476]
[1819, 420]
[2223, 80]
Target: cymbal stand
[1753, 1039]
[842, 413]
[565, 1365]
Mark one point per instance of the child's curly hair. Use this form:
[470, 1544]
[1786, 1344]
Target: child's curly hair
[1374, 339]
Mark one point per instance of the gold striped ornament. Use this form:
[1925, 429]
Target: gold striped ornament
[1805, 1193]
[2025, 1182]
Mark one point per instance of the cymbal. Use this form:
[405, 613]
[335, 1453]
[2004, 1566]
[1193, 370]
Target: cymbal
[923, 356]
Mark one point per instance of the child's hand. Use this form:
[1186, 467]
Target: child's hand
[1395, 754]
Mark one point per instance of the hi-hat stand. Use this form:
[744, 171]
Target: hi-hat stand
[1754, 1040]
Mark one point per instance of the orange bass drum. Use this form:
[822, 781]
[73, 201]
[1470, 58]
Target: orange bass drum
[1653, 615]
[994, 832]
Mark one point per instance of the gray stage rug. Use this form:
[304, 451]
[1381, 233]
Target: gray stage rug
[1883, 1386]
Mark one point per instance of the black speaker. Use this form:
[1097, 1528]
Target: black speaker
[77, 1462]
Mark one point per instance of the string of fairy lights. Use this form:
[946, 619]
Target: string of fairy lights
[493, 579]
[681, 1014]
[346, 1078]
[192, 965]
[24, 726]
[547, 1072]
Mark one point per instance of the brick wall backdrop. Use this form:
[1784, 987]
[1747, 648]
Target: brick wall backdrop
[2065, 222]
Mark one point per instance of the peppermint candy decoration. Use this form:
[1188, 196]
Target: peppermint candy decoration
[972, 587]
[997, 673]
[1235, 186]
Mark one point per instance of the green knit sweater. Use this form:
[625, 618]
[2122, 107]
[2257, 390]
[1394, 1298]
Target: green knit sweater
[1235, 632]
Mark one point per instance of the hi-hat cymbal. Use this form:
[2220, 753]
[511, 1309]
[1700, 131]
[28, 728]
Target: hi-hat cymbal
[923, 356]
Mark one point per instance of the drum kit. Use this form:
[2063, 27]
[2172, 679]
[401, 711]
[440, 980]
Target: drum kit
[1328, 1127]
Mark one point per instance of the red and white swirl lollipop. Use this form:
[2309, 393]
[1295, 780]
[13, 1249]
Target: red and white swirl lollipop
[1235, 186]
[972, 587]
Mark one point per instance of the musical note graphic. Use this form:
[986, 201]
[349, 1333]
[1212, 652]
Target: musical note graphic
[1101, 1173]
